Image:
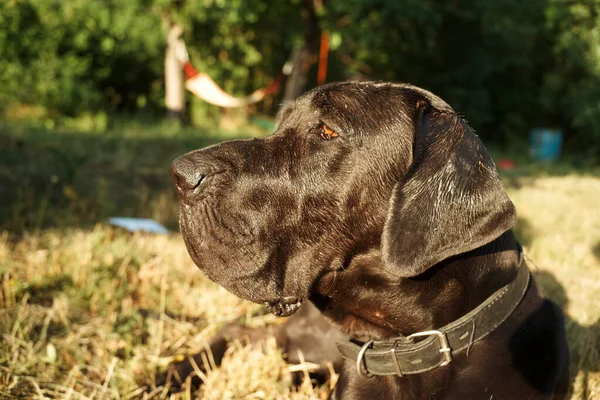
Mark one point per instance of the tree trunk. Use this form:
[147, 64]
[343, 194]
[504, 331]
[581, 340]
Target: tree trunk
[174, 84]
[296, 82]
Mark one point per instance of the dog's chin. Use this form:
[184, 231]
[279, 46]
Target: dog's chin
[284, 307]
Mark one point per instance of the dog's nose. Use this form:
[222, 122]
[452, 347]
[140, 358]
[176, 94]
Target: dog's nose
[186, 175]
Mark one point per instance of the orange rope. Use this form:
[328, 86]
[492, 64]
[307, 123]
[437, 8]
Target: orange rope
[323, 56]
[189, 69]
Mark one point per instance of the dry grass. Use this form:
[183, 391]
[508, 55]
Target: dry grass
[92, 312]
[559, 224]
[95, 313]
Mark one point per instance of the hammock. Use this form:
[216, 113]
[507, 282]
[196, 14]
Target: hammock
[201, 85]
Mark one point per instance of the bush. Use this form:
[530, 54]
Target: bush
[507, 65]
[78, 56]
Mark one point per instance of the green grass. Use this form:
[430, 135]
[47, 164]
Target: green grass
[91, 311]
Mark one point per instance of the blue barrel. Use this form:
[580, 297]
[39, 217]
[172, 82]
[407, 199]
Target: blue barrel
[545, 144]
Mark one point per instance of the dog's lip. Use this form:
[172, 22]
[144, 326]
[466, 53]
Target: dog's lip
[284, 307]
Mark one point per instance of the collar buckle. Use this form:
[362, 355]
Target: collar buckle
[359, 361]
[395, 360]
[444, 345]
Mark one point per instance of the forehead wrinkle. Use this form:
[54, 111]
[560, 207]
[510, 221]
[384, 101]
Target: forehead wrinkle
[360, 109]
[296, 114]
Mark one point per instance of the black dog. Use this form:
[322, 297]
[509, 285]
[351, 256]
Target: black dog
[377, 203]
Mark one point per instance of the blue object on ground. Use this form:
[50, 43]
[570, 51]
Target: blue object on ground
[138, 224]
[545, 143]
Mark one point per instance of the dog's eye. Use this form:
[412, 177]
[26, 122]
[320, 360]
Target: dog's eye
[327, 133]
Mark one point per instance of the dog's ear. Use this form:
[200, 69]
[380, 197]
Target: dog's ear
[450, 201]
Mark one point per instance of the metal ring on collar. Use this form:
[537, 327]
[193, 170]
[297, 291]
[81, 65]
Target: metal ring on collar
[359, 361]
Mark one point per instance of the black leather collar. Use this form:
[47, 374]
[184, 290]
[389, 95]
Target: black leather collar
[402, 356]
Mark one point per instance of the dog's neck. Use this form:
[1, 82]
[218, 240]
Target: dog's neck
[385, 306]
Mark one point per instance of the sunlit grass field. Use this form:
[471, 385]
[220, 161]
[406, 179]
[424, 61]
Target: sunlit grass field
[89, 311]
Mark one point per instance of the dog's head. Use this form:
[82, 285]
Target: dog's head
[351, 168]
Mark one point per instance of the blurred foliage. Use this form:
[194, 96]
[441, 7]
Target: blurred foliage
[507, 65]
[74, 56]
[242, 44]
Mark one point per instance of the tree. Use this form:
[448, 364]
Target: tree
[174, 90]
[296, 83]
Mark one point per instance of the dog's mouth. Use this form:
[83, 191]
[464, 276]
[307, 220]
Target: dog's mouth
[284, 307]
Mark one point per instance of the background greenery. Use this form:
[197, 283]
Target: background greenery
[506, 65]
